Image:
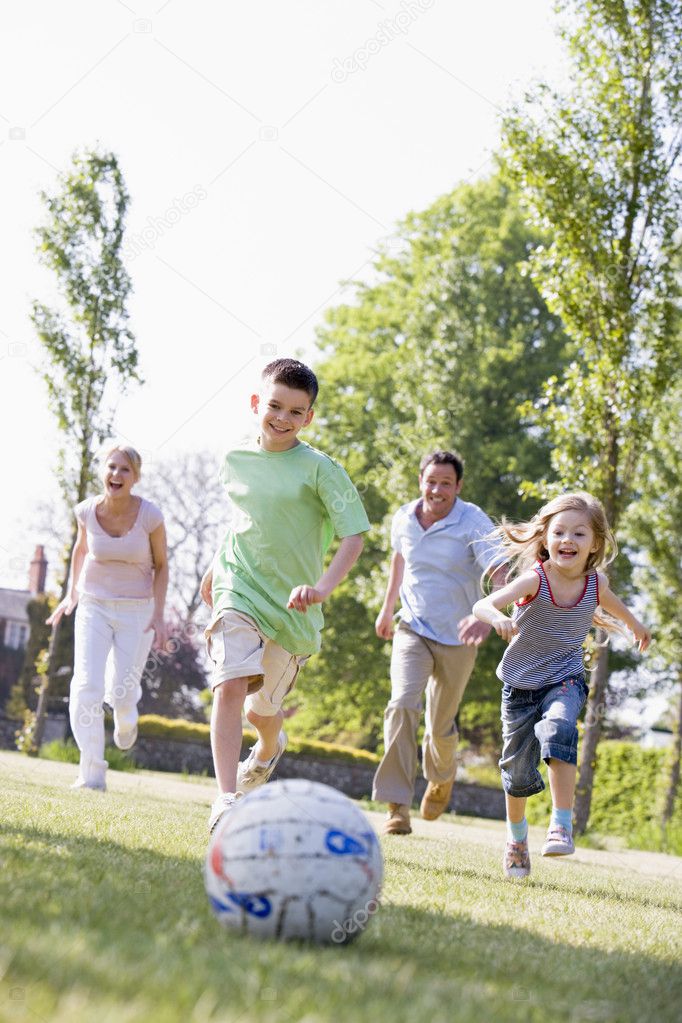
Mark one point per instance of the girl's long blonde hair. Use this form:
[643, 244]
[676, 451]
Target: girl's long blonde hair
[525, 542]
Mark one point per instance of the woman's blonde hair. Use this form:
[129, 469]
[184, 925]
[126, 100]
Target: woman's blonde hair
[131, 454]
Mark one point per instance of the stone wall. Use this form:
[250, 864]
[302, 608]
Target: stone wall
[353, 779]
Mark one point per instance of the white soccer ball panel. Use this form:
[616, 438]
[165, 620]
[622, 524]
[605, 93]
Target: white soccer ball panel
[295, 859]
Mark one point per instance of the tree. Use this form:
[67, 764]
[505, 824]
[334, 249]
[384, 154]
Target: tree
[597, 167]
[187, 489]
[655, 523]
[90, 353]
[438, 350]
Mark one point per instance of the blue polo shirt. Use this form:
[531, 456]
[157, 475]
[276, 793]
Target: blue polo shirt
[443, 567]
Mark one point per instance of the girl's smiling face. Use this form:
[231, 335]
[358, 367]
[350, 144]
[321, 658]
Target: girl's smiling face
[570, 540]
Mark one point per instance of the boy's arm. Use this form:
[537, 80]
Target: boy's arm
[384, 622]
[489, 609]
[613, 605]
[350, 547]
[206, 588]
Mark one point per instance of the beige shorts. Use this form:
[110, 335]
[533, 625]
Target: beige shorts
[238, 649]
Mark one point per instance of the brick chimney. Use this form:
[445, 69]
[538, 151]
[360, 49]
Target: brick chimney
[37, 572]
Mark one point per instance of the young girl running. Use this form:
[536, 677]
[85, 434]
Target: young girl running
[557, 590]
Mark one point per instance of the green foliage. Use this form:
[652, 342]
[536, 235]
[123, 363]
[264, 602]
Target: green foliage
[597, 166]
[480, 724]
[193, 731]
[68, 753]
[90, 353]
[627, 799]
[438, 350]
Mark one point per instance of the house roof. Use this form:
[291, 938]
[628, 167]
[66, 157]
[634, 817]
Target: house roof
[13, 604]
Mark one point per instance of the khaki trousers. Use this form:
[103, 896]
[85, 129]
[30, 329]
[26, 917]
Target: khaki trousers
[419, 664]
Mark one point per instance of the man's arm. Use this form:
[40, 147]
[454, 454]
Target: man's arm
[384, 622]
[471, 630]
[349, 550]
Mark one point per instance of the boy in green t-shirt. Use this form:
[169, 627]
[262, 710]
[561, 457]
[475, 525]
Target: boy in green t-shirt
[266, 583]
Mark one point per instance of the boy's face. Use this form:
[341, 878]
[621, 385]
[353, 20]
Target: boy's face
[282, 411]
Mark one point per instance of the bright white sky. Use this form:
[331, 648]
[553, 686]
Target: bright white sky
[295, 161]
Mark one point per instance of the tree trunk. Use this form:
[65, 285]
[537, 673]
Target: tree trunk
[43, 695]
[674, 778]
[594, 718]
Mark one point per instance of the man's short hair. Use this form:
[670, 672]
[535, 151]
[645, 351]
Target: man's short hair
[444, 458]
[293, 374]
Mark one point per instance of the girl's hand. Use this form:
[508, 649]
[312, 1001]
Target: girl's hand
[65, 607]
[301, 597]
[157, 623]
[642, 635]
[504, 627]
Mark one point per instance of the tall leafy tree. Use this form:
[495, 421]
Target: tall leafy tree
[89, 350]
[655, 524]
[598, 166]
[438, 349]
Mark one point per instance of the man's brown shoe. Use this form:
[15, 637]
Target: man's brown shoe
[398, 820]
[436, 800]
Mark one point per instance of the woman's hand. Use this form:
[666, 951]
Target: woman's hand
[65, 607]
[157, 623]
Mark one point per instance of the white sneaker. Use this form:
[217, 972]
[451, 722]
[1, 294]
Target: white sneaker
[125, 740]
[251, 774]
[222, 805]
[99, 786]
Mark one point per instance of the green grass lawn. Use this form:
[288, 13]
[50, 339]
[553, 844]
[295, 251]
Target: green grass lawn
[103, 918]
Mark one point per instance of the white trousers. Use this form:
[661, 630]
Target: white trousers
[109, 641]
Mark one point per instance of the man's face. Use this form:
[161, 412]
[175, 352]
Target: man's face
[282, 411]
[439, 488]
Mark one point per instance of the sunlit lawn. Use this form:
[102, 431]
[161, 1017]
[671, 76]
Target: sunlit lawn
[104, 917]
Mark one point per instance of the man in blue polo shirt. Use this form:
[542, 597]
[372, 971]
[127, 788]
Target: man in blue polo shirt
[439, 555]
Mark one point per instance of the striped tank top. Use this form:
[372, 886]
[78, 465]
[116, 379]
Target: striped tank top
[548, 646]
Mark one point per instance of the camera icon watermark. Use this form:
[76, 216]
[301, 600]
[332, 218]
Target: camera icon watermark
[17, 350]
[268, 350]
[142, 26]
[268, 133]
[16, 133]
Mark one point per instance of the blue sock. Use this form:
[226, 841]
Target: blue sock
[562, 817]
[517, 832]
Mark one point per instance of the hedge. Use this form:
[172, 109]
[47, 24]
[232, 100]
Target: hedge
[156, 727]
[627, 800]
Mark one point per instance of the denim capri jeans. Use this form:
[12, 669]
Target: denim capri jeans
[538, 723]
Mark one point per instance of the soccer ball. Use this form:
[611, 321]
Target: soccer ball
[294, 859]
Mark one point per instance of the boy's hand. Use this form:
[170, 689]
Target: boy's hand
[301, 597]
[206, 587]
[642, 635]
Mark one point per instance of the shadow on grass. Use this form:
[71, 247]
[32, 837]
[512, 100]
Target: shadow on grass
[114, 924]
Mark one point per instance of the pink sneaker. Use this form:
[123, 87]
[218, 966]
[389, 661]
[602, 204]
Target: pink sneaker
[516, 861]
[559, 842]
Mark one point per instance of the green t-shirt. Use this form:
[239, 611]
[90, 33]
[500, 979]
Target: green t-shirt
[287, 506]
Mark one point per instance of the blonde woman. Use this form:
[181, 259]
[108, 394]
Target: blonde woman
[118, 579]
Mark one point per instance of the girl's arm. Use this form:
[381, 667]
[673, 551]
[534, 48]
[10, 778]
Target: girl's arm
[349, 550]
[613, 605]
[489, 609]
[384, 622]
[67, 605]
[157, 540]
